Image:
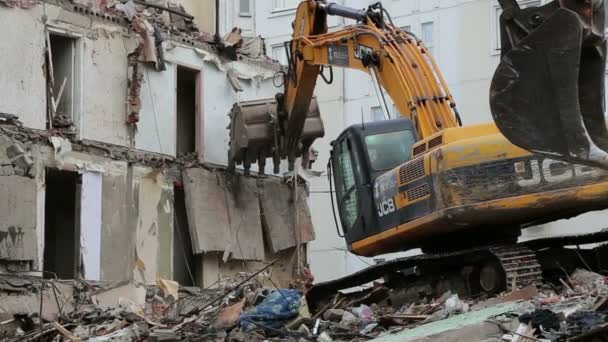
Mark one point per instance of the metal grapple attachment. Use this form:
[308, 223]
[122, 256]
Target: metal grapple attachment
[256, 133]
[547, 93]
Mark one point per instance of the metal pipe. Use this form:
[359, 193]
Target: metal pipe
[373, 71]
[344, 11]
[217, 17]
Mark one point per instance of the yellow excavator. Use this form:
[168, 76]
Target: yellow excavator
[424, 180]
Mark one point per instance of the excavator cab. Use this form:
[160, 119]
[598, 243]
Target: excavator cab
[547, 93]
[358, 156]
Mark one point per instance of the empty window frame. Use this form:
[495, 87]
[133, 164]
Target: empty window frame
[63, 80]
[245, 8]
[428, 36]
[377, 113]
[187, 110]
[281, 5]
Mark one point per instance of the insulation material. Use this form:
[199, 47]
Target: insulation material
[90, 224]
[206, 210]
[277, 202]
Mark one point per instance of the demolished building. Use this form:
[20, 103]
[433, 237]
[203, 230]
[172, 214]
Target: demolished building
[113, 141]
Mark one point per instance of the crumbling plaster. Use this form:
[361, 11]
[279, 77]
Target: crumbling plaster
[102, 59]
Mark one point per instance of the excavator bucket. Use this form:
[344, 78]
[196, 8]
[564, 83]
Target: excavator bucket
[255, 134]
[547, 93]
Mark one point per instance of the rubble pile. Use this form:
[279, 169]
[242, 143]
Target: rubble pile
[245, 308]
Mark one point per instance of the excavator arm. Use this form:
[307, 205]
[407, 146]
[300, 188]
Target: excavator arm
[548, 86]
[397, 61]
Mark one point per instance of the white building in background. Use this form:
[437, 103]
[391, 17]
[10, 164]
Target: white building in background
[464, 37]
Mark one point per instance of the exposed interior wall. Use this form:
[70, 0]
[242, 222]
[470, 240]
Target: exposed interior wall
[119, 210]
[216, 97]
[102, 61]
[61, 224]
[136, 214]
[158, 105]
[90, 224]
[153, 239]
[186, 113]
[132, 205]
[105, 67]
[63, 52]
[18, 227]
[23, 84]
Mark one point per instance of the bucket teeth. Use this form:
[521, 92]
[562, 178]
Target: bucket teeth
[256, 134]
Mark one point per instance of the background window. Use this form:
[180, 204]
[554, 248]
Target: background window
[279, 54]
[280, 5]
[428, 36]
[377, 113]
[245, 8]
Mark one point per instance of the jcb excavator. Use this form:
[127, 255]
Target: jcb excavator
[425, 180]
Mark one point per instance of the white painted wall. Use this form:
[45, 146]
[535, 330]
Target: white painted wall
[90, 224]
[157, 119]
[464, 41]
[22, 80]
[231, 16]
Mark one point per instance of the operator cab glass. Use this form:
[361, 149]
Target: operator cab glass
[359, 155]
[389, 150]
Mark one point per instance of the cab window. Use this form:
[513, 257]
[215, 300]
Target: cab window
[389, 150]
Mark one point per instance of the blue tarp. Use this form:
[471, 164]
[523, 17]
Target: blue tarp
[274, 311]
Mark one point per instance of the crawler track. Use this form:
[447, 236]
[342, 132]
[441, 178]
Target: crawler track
[518, 262]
